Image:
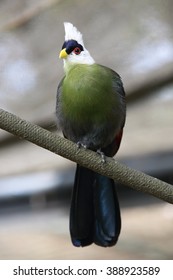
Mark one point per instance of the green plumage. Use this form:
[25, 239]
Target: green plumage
[87, 93]
[91, 97]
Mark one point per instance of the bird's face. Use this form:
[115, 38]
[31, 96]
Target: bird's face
[73, 52]
[72, 48]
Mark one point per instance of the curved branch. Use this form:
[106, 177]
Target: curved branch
[87, 158]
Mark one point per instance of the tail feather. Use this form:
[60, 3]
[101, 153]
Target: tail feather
[107, 212]
[95, 213]
[81, 212]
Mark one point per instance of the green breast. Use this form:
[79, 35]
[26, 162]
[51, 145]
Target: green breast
[87, 94]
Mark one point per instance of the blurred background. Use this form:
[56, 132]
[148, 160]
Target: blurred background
[133, 37]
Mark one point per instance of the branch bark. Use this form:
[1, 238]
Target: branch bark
[87, 158]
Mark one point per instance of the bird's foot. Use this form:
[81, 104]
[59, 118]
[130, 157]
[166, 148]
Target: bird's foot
[81, 145]
[102, 155]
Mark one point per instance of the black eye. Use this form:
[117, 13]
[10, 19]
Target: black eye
[77, 51]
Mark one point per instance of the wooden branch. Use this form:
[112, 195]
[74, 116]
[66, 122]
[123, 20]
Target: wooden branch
[87, 158]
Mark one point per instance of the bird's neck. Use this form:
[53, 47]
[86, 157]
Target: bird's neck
[70, 63]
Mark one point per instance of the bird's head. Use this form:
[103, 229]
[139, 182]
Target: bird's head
[73, 49]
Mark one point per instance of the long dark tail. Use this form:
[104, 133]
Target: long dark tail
[95, 213]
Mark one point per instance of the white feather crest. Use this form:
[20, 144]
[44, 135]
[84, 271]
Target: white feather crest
[71, 33]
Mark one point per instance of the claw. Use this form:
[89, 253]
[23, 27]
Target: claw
[103, 158]
[80, 145]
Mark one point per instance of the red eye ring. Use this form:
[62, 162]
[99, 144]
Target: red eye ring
[77, 51]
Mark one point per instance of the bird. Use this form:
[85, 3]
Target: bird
[91, 112]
